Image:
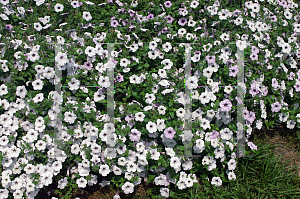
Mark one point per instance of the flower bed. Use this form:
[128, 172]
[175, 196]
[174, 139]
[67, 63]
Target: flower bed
[147, 145]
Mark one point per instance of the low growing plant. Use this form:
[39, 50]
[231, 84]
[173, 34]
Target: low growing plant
[149, 90]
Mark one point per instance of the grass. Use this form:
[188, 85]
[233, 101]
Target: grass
[272, 172]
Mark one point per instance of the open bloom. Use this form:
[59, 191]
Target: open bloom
[114, 23]
[3, 90]
[168, 4]
[252, 146]
[75, 4]
[175, 162]
[151, 127]
[81, 182]
[216, 181]
[74, 84]
[8, 27]
[169, 133]
[59, 7]
[241, 44]
[87, 16]
[276, 107]
[128, 187]
[61, 58]
[192, 82]
[225, 105]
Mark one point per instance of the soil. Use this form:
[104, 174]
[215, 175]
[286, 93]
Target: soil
[288, 148]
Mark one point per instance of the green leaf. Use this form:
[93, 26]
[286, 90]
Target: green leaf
[102, 101]
[269, 100]
[134, 94]
[172, 115]
[121, 90]
[140, 67]
[151, 177]
[146, 65]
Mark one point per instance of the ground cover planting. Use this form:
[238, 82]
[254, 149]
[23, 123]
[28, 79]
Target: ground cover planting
[148, 99]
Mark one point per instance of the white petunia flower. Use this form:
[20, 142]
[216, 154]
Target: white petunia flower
[4, 2]
[104, 81]
[81, 182]
[38, 98]
[38, 3]
[38, 26]
[162, 73]
[231, 164]
[33, 56]
[117, 170]
[161, 110]
[216, 181]
[90, 51]
[70, 117]
[128, 187]
[60, 40]
[59, 7]
[140, 147]
[74, 84]
[189, 182]
[231, 175]
[3, 90]
[175, 162]
[164, 82]
[134, 79]
[181, 184]
[225, 37]
[109, 127]
[286, 48]
[228, 89]
[40, 145]
[187, 165]
[160, 180]
[124, 62]
[139, 116]
[151, 127]
[152, 45]
[45, 20]
[87, 16]
[255, 7]
[122, 161]
[167, 46]
[205, 124]
[194, 4]
[168, 64]
[131, 167]
[21, 91]
[207, 72]
[104, 170]
[241, 44]
[180, 113]
[226, 134]
[192, 82]
[37, 84]
[149, 98]
[206, 160]
[61, 58]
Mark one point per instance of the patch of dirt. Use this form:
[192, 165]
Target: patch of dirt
[282, 136]
[97, 191]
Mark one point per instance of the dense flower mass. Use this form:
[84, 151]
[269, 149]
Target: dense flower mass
[141, 64]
